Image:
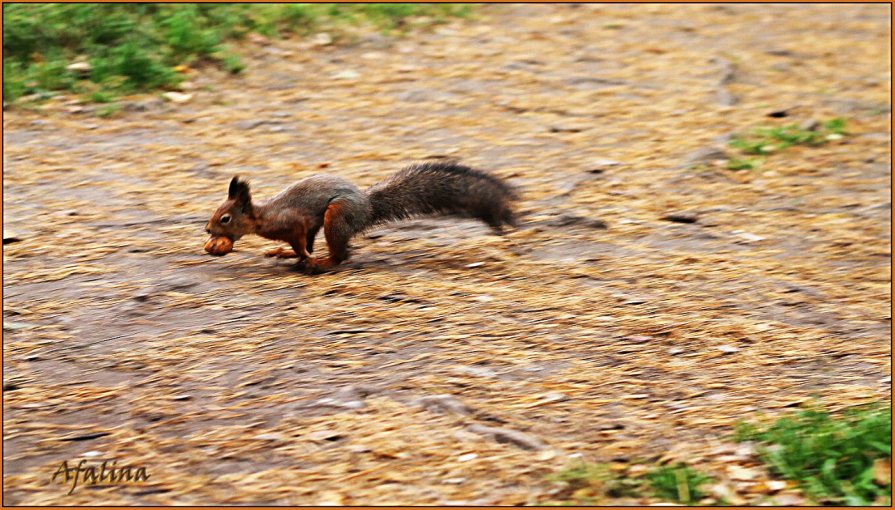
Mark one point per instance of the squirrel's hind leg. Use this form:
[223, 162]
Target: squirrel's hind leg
[338, 230]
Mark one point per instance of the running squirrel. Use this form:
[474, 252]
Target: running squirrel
[342, 210]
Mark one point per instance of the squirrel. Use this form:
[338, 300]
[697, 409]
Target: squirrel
[297, 213]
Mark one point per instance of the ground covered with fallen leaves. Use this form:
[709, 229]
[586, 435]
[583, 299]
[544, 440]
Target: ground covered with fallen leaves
[651, 299]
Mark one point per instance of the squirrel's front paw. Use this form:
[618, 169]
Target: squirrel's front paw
[281, 253]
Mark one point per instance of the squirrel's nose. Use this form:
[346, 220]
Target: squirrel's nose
[207, 230]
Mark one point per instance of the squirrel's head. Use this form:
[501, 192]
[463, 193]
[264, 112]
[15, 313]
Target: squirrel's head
[236, 216]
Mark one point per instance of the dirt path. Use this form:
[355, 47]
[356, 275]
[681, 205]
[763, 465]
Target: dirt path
[236, 380]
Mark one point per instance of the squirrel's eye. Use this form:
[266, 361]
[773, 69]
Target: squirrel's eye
[225, 219]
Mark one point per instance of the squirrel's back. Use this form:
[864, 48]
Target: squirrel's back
[313, 193]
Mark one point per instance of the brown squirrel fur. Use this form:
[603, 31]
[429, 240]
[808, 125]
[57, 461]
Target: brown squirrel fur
[297, 213]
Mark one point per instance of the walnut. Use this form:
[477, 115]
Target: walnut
[219, 245]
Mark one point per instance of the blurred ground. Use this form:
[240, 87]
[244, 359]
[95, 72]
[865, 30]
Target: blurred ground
[236, 380]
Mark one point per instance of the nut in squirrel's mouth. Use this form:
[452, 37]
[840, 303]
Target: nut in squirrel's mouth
[219, 245]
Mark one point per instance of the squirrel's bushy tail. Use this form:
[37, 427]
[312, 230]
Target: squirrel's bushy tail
[442, 188]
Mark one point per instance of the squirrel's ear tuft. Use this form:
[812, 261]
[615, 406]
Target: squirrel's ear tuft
[234, 186]
[239, 190]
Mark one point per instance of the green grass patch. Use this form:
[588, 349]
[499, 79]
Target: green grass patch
[834, 459]
[108, 110]
[101, 97]
[232, 64]
[389, 17]
[13, 81]
[836, 126]
[768, 140]
[743, 163]
[134, 47]
[597, 484]
[678, 483]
